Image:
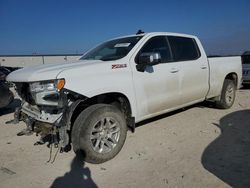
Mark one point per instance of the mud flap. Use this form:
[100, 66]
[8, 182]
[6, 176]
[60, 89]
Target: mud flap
[131, 124]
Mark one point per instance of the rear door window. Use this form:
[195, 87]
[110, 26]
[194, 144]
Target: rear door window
[183, 48]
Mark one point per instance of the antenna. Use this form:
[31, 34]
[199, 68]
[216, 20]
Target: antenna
[139, 32]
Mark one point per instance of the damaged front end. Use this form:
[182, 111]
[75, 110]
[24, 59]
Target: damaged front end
[46, 109]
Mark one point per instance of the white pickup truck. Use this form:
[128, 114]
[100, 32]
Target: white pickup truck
[91, 103]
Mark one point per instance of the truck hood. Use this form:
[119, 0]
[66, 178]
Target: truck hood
[46, 72]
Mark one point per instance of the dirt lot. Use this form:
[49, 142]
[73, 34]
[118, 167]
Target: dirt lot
[194, 147]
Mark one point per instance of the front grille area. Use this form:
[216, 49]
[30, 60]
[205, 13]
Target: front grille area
[23, 91]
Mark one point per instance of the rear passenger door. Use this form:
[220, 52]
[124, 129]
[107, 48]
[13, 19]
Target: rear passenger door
[194, 72]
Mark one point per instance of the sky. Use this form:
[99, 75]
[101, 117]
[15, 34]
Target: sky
[71, 26]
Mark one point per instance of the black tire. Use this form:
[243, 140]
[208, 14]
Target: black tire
[83, 127]
[227, 101]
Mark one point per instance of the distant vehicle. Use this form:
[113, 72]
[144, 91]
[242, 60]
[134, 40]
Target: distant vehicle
[245, 68]
[6, 96]
[92, 102]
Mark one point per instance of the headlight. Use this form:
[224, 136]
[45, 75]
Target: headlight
[39, 87]
[52, 85]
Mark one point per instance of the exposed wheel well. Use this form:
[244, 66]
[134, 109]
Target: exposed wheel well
[233, 76]
[117, 99]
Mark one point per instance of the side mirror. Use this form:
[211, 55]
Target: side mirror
[152, 58]
[149, 58]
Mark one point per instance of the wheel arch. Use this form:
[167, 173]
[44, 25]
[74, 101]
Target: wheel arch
[232, 76]
[117, 99]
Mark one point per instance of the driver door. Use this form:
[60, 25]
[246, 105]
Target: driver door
[157, 89]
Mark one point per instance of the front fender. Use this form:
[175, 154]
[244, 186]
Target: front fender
[97, 79]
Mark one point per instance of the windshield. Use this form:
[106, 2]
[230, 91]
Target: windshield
[112, 50]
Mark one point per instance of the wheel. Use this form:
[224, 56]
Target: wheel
[227, 95]
[99, 133]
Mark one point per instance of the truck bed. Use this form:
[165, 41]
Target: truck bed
[219, 68]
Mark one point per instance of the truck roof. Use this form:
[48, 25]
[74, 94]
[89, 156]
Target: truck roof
[158, 33]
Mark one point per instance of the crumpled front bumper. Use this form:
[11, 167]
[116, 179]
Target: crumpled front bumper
[44, 124]
[40, 115]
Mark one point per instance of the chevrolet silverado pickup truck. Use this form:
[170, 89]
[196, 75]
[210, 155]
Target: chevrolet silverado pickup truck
[91, 103]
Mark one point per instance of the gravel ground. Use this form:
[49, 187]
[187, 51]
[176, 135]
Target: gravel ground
[195, 147]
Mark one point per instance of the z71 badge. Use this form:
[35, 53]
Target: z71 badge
[118, 66]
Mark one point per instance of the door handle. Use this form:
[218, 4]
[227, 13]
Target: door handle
[174, 70]
[203, 67]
